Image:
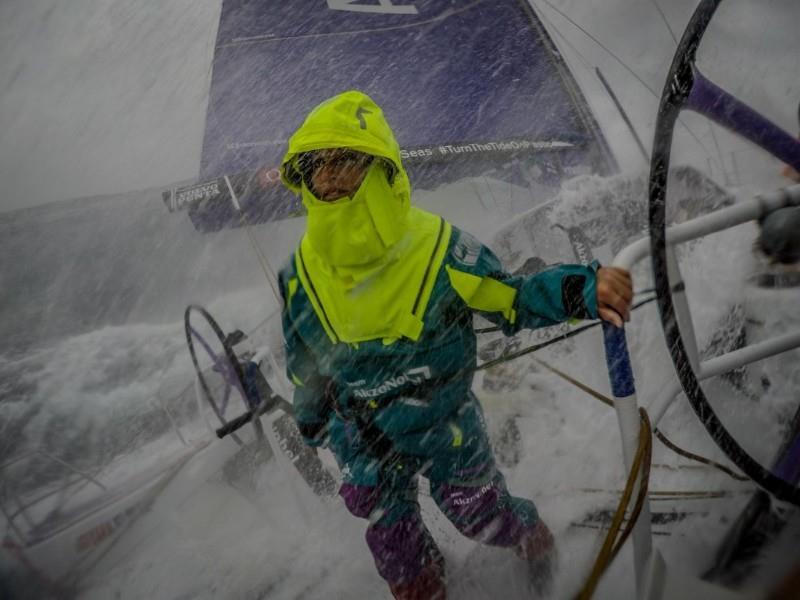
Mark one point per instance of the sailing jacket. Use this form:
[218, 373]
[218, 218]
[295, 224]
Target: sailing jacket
[411, 391]
[379, 296]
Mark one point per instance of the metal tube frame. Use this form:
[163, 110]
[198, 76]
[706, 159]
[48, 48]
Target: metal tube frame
[618, 359]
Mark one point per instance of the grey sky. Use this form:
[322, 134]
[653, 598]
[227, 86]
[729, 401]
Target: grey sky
[101, 96]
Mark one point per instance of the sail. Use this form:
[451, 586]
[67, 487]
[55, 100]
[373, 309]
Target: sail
[471, 88]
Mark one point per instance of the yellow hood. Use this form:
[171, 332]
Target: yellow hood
[368, 262]
[349, 120]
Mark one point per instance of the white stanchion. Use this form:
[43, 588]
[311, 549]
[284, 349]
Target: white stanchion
[653, 579]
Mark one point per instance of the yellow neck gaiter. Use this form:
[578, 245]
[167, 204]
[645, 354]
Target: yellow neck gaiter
[353, 235]
[389, 301]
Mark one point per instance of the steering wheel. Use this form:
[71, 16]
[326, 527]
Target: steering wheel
[676, 91]
[223, 361]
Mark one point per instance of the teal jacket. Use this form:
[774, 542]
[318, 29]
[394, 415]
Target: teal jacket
[413, 394]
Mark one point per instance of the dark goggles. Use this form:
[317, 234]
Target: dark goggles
[309, 163]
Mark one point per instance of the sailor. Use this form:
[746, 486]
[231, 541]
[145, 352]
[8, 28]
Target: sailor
[377, 320]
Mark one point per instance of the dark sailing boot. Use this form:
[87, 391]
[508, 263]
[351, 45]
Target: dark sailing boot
[429, 584]
[538, 550]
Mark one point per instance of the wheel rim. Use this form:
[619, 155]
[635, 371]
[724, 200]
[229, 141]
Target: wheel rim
[676, 90]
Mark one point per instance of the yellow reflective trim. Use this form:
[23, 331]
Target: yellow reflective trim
[436, 260]
[348, 120]
[292, 290]
[409, 325]
[301, 272]
[458, 435]
[296, 380]
[484, 293]
[392, 303]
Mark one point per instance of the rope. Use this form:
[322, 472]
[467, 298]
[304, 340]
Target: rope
[645, 430]
[265, 266]
[612, 543]
[641, 466]
[667, 495]
[696, 457]
[581, 386]
[622, 63]
[535, 347]
[662, 438]
[602, 397]
[268, 273]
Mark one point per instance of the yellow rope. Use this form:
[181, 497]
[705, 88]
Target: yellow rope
[664, 495]
[646, 431]
[612, 544]
[581, 386]
[641, 466]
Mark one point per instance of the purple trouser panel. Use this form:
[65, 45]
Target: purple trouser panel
[487, 513]
[360, 500]
[401, 550]
[401, 544]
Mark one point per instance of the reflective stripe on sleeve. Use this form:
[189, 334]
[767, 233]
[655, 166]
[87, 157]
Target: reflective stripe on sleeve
[484, 293]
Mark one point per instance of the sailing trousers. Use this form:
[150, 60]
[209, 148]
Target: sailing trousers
[465, 485]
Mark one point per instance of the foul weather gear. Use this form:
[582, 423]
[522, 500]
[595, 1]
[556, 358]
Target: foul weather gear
[379, 343]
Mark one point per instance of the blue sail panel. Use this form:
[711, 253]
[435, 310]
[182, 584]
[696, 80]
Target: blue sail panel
[470, 88]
